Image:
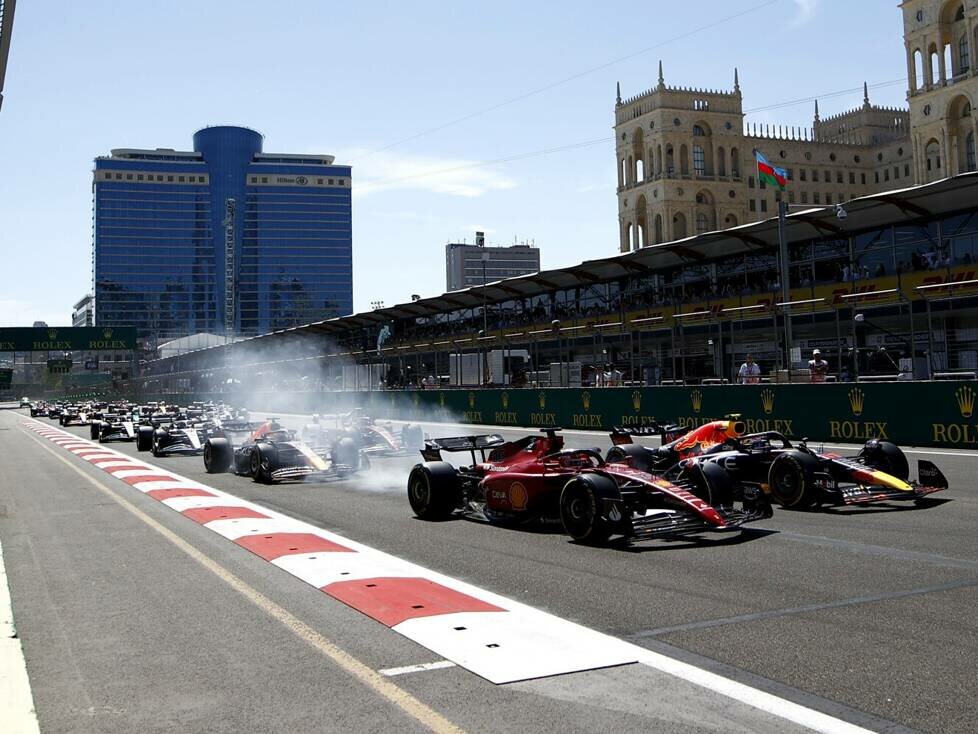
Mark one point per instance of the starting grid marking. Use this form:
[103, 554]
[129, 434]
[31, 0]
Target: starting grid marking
[492, 636]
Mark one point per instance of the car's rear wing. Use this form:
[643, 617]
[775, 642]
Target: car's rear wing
[481, 443]
[668, 432]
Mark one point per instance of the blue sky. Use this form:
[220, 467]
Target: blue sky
[352, 78]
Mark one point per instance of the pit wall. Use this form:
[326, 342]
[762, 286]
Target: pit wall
[939, 414]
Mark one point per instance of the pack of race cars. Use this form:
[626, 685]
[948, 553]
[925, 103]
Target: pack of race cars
[713, 478]
[230, 441]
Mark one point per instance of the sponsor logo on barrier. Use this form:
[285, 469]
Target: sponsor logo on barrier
[696, 398]
[965, 398]
[767, 400]
[441, 399]
[586, 419]
[857, 400]
[636, 420]
[637, 400]
[504, 399]
[472, 416]
[861, 430]
[471, 400]
[543, 400]
[507, 418]
[543, 419]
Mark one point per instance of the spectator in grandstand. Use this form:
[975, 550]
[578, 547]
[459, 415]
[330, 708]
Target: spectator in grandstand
[750, 372]
[817, 367]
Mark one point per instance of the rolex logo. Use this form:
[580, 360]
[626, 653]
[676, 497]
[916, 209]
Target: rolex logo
[586, 400]
[543, 400]
[966, 401]
[107, 333]
[471, 400]
[767, 401]
[637, 400]
[52, 333]
[696, 397]
[857, 399]
[504, 399]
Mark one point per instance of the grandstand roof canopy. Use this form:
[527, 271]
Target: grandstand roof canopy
[888, 208]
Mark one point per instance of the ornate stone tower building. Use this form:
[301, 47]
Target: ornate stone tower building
[942, 78]
[685, 157]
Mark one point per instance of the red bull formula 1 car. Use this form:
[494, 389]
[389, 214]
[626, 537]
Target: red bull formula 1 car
[271, 454]
[537, 478]
[792, 474]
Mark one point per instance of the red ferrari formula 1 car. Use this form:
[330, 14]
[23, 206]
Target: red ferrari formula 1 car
[792, 474]
[537, 478]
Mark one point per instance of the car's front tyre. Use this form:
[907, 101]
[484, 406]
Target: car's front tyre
[581, 508]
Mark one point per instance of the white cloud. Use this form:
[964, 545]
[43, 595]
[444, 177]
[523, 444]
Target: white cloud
[806, 11]
[390, 171]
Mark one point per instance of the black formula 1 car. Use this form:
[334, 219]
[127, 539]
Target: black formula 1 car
[536, 478]
[39, 409]
[792, 474]
[174, 437]
[74, 415]
[271, 454]
[113, 427]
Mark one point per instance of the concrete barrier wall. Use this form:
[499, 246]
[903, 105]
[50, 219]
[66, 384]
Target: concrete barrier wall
[940, 414]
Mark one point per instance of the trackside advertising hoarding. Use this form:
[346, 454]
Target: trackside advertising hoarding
[943, 414]
[66, 338]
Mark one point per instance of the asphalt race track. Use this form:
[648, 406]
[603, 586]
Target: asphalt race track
[135, 618]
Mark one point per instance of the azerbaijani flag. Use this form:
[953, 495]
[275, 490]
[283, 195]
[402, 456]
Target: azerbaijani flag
[769, 174]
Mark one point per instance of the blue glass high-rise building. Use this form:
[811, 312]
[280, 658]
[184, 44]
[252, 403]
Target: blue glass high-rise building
[223, 239]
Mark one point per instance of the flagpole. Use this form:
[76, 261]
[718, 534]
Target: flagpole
[785, 290]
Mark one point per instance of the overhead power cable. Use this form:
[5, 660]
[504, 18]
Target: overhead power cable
[578, 75]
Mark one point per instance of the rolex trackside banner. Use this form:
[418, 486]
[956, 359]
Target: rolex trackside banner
[66, 338]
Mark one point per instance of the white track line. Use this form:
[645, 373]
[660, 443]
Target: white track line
[391, 672]
[16, 702]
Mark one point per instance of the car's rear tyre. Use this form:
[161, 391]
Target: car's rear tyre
[581, 508]
[217, 455]
[792, 480]
[345, 456]
[144, 438]
[93, 430]
[434, 490]
[263, 464]
[886, 457]
[639, 456]
[412, 437]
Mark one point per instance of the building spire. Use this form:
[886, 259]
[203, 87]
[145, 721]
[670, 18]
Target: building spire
[617, 92]
[736, 80]
[817, 119]
[865, 94]
[662, 79]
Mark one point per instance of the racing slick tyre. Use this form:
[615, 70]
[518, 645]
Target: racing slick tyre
[581, 508]
[434, 490]
[412, 437]
[144, 438]
[345, 456]
[263, 461]
[711, 483]
[792, 480]
[93, 430]
[217, 455]
[639, 456]
[886, 457]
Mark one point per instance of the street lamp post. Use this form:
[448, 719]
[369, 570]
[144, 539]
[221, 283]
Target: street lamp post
[485, 320]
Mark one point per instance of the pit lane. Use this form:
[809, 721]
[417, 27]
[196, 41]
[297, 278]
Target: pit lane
[870, 608]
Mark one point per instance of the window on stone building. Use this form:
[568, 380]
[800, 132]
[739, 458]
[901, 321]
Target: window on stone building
[804, 176]
[750, 182]
[698, 132]
[876, 176]
[964, 56]
[852, 178]
[828, 198]
[838, 176]
[702, 223]
[886, 175]
[817, 198]
[804, 197]
[699, 160]
[815, 175]
[862, 177]
[906, 169]
[828, 177]
[896, 172]
[763, 205]
[791, 197]
[753, 205]
[969, 149]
